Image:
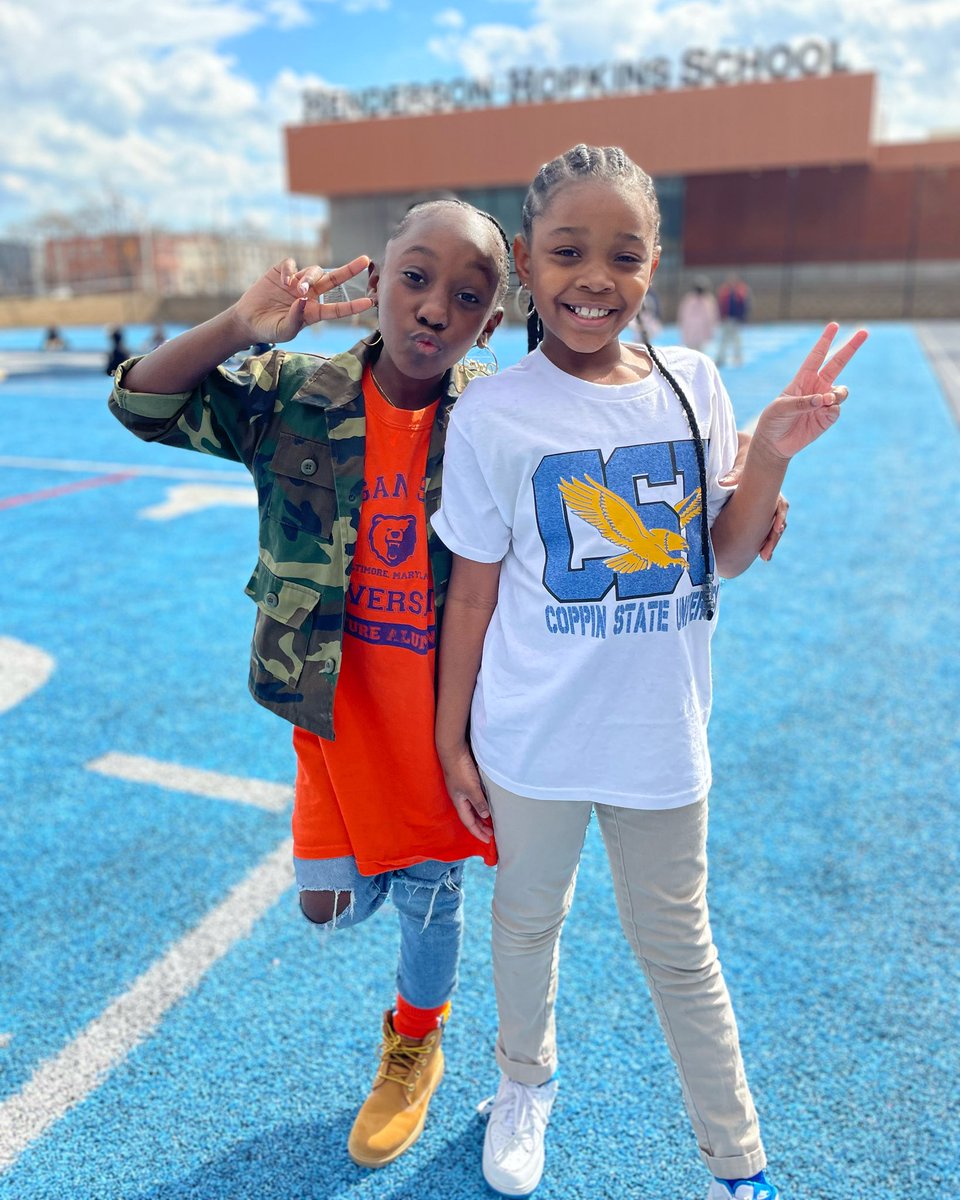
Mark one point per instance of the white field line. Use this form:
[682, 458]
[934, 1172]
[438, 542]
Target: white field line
[62, 1082]
[944, 367]
[102, 468]
[274, 797]
[23, 670]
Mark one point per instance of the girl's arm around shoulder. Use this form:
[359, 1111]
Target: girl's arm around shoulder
[471, 599]
[744, 522]
[807, 408]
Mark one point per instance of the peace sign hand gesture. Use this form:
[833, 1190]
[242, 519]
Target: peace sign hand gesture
[810, 404]
[282, 301]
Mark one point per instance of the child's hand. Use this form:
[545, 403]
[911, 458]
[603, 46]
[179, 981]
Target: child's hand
[281, 302]
[810, 403]
[466, 792]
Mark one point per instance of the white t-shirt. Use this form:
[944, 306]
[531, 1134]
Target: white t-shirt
[595, 680]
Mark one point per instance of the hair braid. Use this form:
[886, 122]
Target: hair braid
[708, 600]
[606, 164]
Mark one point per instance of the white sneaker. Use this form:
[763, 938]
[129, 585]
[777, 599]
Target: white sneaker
[513, 1145]
[758, 1187]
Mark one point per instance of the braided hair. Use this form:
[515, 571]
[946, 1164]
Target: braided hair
[502, 254]
[610, 164]
[709, 604]
[605, 164]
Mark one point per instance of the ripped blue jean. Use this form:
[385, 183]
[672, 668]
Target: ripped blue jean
[428, 898]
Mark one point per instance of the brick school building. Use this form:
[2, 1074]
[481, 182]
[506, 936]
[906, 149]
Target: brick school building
[765, 162]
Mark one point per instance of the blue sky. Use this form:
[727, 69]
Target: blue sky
[170, 112]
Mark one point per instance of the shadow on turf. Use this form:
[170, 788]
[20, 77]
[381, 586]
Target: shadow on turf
[310, 1162]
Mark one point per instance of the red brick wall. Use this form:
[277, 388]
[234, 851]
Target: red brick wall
[822, 214]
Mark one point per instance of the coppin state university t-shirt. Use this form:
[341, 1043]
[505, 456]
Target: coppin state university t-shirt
[595, 679]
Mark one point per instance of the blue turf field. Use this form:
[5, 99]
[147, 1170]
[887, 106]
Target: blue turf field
[834, 844]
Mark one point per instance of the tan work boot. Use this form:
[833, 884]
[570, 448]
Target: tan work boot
[392, 1116]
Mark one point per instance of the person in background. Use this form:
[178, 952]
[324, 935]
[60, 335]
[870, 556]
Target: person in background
[117, 352]
[733, 301]
[53, 339]
[698, 315]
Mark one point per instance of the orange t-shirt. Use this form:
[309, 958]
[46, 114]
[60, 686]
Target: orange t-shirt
[377, 792]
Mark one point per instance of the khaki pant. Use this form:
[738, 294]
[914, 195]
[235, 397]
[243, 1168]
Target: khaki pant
[659, 865]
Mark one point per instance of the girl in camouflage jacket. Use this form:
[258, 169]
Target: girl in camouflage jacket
[346, 453]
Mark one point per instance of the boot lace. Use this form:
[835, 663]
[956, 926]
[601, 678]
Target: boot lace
[402, 1061]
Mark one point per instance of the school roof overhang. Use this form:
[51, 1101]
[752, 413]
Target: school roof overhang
[822, 121]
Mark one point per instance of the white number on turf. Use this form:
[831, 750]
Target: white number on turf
[186, 498]
[23, 670]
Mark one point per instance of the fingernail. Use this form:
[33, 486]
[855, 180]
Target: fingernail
[303, 286]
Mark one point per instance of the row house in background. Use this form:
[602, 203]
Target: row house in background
[163, 263]
[19, 268]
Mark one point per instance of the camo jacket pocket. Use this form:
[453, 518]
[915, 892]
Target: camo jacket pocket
[282, 631]
[303, 497]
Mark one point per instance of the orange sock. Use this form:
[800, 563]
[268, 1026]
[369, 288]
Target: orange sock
[413, 1022]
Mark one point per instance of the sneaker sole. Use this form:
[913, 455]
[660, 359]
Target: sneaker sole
[404, 1146]
[513, 1195]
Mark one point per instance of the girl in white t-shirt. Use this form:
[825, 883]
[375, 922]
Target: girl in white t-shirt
[582, 501]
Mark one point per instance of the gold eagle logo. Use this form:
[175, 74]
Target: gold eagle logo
[620, 523]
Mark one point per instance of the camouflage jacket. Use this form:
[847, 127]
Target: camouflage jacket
[297, 423]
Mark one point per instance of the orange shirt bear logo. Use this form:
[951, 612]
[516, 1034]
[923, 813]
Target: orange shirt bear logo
[392, 539]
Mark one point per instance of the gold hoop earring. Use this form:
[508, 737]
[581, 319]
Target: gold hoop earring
[377, 340]
[478, 367]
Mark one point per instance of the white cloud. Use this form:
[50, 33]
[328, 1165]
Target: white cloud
[288, 14]
[116, 98]
[450, 18]
[486, 51]
[359, 6]
[16, 184]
